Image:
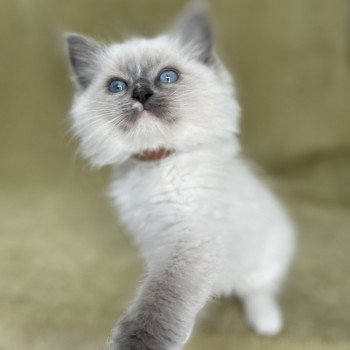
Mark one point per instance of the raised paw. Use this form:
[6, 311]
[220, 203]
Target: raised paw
[130, 335]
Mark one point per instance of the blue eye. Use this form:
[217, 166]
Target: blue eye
[116, 85]
[168, 77]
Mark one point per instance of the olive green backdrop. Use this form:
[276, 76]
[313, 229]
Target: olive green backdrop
[66, 269]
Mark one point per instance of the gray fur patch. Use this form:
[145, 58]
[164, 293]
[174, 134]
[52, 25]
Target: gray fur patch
[160, 104]
[153, 323]
[194, 32]
[164, 311]
[83, 53]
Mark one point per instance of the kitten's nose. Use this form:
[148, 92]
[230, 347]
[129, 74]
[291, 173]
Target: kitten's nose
[142, 94]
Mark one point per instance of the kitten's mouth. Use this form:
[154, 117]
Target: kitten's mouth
[149, 114]
[143, 113]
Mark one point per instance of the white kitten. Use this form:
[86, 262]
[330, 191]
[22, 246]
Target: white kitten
[163, 113]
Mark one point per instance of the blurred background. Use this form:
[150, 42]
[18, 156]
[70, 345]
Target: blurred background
[67, 271]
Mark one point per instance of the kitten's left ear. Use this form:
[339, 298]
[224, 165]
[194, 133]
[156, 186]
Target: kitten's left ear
[83, 54]
[194, 32]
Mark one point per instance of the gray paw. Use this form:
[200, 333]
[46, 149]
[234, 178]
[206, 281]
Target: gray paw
[130, 336]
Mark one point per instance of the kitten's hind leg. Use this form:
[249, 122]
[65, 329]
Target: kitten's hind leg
[263, 313]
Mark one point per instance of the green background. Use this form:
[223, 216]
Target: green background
[67, 271]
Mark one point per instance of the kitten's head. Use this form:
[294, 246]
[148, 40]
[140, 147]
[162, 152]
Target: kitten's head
[143, 94]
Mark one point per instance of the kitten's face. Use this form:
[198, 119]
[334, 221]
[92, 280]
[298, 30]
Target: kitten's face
[143, 85]
[144, 94]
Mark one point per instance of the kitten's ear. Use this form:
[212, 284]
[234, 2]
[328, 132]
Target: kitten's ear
[194, 32]
[83, 54]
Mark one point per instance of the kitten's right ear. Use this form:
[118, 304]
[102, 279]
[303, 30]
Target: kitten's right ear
[83, 54]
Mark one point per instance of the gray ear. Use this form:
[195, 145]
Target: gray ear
[193, 31]
[83, 55]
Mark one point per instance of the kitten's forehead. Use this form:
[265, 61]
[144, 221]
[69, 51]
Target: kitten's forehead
[141, 66]
[140, 57]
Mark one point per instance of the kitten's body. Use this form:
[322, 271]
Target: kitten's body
[211, 196]
[204, 223]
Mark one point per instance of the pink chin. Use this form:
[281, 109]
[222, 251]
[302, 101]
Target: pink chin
[145, 114]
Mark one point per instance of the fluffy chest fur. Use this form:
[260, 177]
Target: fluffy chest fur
[160, 198]
[201, 196]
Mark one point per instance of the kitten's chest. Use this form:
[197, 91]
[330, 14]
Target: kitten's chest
[154, 197]
[149, 186]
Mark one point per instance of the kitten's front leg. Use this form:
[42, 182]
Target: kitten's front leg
[165, 308]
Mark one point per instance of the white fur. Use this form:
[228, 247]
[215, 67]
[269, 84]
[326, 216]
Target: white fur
[204, 192]
[211, 192]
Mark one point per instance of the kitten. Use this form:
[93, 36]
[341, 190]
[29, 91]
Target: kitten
[162, 112]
